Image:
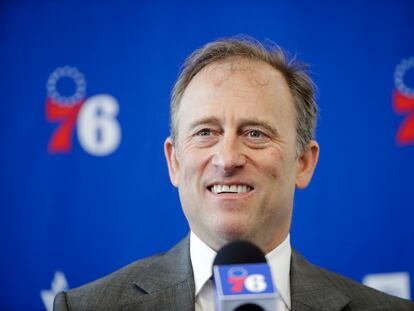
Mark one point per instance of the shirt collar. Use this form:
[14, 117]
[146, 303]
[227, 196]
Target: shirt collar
[279, 262]
[202, 258]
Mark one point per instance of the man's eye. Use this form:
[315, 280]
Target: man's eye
[204, 132]
[255, 134]
[256, 138]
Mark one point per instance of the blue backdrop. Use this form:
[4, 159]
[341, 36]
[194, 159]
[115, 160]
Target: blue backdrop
[84, 184]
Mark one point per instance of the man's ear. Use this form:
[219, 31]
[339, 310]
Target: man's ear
[172, 161]
[306, 164]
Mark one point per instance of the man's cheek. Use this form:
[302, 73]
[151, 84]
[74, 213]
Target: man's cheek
[271, 171]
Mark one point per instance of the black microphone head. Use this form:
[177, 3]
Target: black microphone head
[249, 307]
[239, 252]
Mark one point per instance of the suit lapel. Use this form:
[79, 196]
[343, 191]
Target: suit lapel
[311, 289]
[167, 281]
[174, 298]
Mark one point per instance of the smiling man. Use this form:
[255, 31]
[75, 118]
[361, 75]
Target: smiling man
[242, 125]
[234, 154]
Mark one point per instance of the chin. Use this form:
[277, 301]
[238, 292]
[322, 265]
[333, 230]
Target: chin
[233, 231]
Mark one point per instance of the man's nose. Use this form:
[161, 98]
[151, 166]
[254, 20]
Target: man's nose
[229, 156]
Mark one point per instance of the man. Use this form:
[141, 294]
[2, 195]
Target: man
[242, 127]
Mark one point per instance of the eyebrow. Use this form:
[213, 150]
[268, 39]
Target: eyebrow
[207, 120]
[243, 123]
[261, 123]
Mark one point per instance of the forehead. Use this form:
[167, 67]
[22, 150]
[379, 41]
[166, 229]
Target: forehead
[221, 73]
[249, 84]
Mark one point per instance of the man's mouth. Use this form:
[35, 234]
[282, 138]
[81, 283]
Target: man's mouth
[230, 188]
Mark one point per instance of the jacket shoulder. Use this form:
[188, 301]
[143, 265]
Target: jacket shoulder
[107, 292]
[141, 283]
[363, 297]
[325, 290]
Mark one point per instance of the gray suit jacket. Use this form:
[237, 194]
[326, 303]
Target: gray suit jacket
[165, 282]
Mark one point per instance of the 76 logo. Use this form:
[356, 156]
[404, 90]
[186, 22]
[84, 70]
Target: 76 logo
[94, 118]
[239, 277]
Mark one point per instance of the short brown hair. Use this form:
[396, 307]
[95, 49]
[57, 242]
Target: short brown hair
[294, 71]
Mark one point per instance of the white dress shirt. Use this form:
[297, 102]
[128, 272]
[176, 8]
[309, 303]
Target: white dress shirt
[202, 258]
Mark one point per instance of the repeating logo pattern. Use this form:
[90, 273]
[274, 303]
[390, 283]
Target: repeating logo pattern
[94, 118]
[403, 102]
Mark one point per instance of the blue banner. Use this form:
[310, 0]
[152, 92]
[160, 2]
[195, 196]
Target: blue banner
[84, 113]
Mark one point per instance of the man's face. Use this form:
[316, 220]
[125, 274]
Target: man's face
[234, 161]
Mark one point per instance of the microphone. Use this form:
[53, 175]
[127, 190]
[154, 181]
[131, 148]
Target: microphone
[242, 277]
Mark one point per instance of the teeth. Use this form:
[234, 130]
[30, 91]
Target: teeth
[230, 188]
